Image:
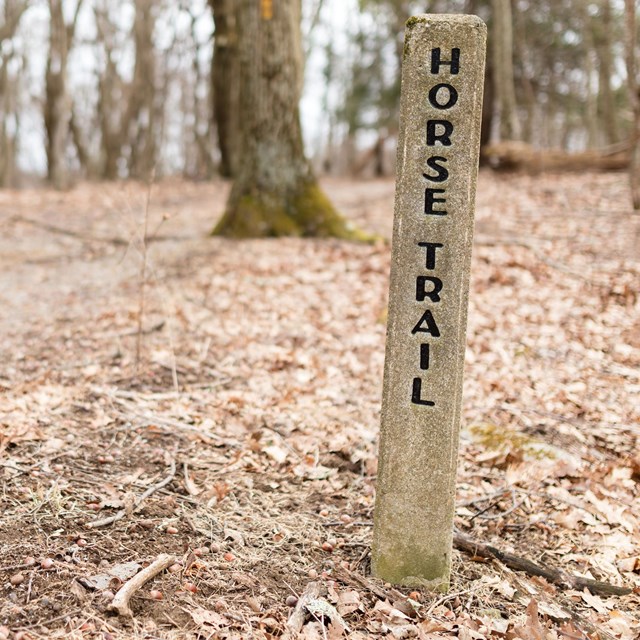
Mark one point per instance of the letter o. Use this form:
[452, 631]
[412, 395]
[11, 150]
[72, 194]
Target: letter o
[433, 96]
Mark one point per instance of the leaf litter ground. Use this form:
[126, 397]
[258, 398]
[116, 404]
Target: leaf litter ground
[243, 440]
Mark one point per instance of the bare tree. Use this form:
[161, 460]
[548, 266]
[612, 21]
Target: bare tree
[9, 87]
[57, 106]
[634, 98]
[502, 64]
[141, 117]
[275, 192]
[604, 33]
[202, 130]
[225, 84]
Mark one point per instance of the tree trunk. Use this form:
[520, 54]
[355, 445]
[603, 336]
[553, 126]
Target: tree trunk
[591, 102]
[634, 99]
[527, 91]
[224, 83]
[56, 108]
[275, 192]
[509, 126]
[602, 28]
[488, 102]
[7, 136]
[111, 99]
[9, 88]
[142, 113]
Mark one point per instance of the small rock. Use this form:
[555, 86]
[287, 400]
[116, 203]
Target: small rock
[16, 579]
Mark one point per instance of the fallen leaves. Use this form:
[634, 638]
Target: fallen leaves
[279, 349]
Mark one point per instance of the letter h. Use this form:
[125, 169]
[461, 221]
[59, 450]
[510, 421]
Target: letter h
[454, 63]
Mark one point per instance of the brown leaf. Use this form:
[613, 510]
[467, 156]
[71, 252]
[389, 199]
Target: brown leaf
[532, 629]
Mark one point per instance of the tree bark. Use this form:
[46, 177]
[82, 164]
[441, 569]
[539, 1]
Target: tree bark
[225, 85]
[142, 114]
[528, 95]
[602, 28]
[9, 86]
[634, 99]
[275, 192]
[56, 108]
[509, 126]
[129, 113]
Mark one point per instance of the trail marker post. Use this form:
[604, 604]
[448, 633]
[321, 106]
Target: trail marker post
[438, 147]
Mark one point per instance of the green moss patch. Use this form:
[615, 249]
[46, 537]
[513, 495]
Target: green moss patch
[305, 213]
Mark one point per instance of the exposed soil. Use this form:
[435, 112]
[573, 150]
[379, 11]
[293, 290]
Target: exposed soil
[256, 376]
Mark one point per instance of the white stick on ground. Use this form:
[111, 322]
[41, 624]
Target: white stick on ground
[120, 603]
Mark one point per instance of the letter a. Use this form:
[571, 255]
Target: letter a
[431, 326]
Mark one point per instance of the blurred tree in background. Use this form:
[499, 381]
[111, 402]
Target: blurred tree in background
[275, 191]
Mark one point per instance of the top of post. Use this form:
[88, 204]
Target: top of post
[458, 22]
[453, 18]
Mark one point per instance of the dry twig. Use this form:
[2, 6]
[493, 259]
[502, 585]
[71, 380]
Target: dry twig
[120, 603]
[138, 503]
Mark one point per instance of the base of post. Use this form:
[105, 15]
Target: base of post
[431, 574]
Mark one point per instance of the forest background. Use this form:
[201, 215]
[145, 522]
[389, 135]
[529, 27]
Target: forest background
[114, 89]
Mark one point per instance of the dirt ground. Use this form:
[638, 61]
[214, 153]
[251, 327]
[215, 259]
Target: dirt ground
[227, 413]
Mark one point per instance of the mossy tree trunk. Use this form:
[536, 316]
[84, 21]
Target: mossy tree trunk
[275, 192]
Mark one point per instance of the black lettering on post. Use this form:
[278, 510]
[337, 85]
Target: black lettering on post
[417, 392]
[429, 323]
[433, 96]
[431, 248]
[443, 172]
[424, 356]
[443, 138]
[422, 293]
[436, 61]
[430, 200]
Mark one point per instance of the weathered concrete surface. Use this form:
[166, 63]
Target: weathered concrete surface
[433, 230]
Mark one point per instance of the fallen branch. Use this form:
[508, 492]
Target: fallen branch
[115, 240]
[354, 579]
[298, 616]
[162, 422]
[310, 604]
[561, 611]
[120, 602]
[138, 503]
[52, 228]
[555, 576]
